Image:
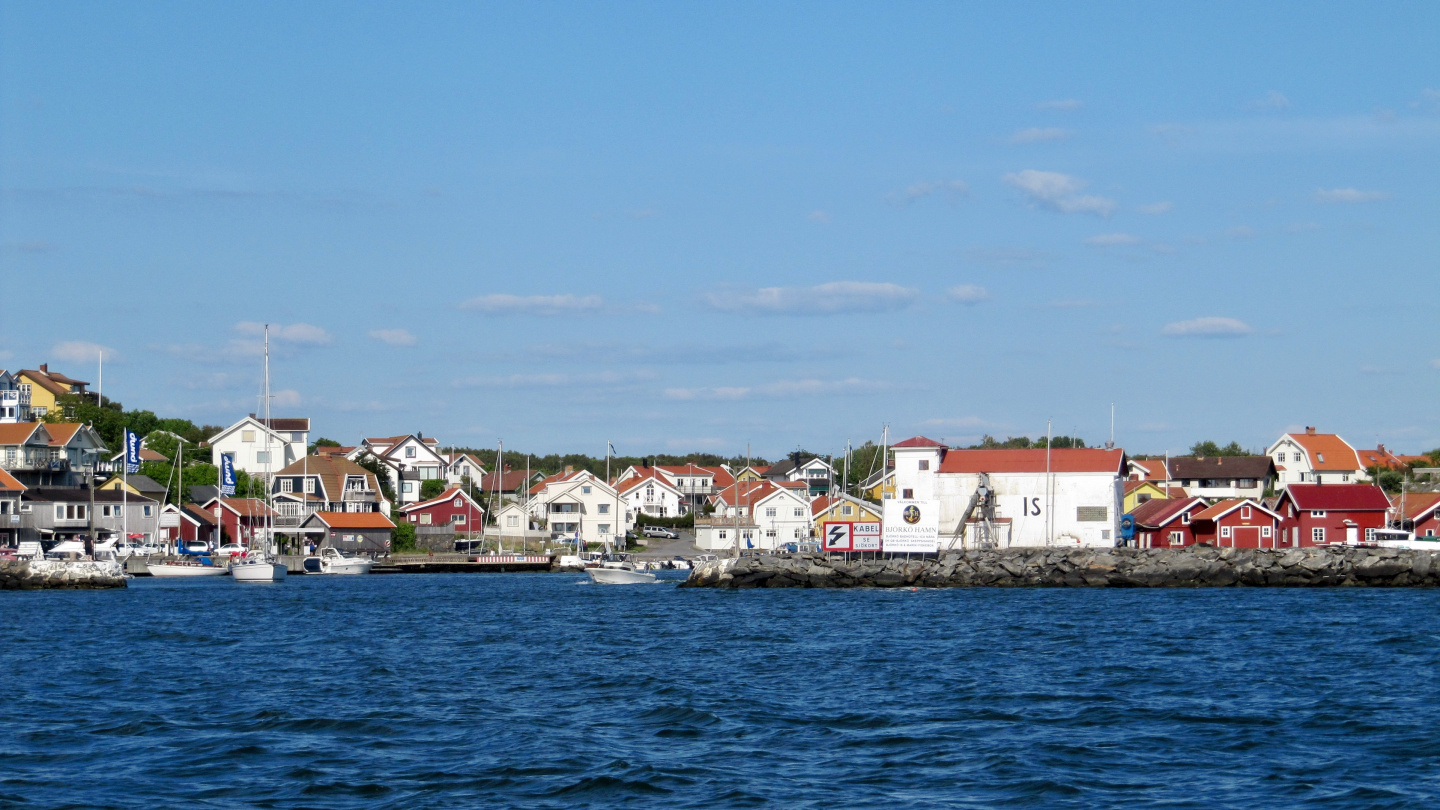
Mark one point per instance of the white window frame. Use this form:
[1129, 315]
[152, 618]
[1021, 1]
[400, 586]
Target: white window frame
[1317, 535]
[1177, 538]
[287, 485]
[1267, 531]
[1225, 532]
[1317, 513]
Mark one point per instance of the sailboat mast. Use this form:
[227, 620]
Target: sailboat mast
[269, 524]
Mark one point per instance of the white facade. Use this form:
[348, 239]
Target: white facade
[14, 401]
[459, 466]
[580, 503]
[246, 442]
[779, 515]
[1300, 459]
[408, 461]
[655, 497]
[1065, 508]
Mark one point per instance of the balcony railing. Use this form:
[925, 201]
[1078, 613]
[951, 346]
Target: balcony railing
[41, 463]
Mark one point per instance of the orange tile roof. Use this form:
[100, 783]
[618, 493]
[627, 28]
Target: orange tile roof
[355, 520]
[61, 432]
[332, 471]
[821, 503]
[8, 482]
[1417, 503]
[17, 432]
[1337, 455]
[247, 507]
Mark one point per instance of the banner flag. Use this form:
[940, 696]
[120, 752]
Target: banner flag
[132, 452]
[227, 474]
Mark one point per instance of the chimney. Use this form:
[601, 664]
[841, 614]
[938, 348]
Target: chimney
[1309, 431]
[44, 368]
[569, 469]
[1381, 450]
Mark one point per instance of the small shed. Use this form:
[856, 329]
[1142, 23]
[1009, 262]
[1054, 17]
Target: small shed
[356, 532]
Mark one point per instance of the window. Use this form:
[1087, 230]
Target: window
[1104, 534]
[458, 519]
[310, 486]
[247, 436]
[604, 508]
[59, 511]
[1293, 457]
[512, 521]
[287, 485]
[907, 494]
[9, 456]
[1247, 483]
[1317, 513]
[262, 456]
[1320, 457]
[722, 534]
[39, 410]
[1345, 478]
[1185, 518]
[847, 510]
[1244, 513]
[297, 436]
[1317, 535]
[425, 520]
[407, 487]
[1225, 531]
[1266, 531]
[799, 511]
[145, 510]
[925, 464]
[1177, 538]
[1092, 514]
[410, 452]
[770, 533]
[585, 490]
[1369, 535]
[769, 511]
[459, 501]
[604, 528]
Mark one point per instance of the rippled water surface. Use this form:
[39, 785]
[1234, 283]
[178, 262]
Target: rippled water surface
[541, 691]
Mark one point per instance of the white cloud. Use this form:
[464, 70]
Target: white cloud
[1059, 192]
[287, 398]
[819, 217]
[303, 334]
[1207, 327]
[782, 389]
[1156, 208]
[1111, 239]
[80, 351]
[822, 299]
[1060, 104]
[1348, 195]
[1040, 135]
[968, 294]
[950, 188]
[1273, 101]
[505, 304]
[394, 337]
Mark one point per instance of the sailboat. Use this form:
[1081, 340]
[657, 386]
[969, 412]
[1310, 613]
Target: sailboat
[261, 565]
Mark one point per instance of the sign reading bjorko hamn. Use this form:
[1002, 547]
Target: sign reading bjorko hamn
[912, 526]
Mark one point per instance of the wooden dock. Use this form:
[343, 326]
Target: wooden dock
[462, 564]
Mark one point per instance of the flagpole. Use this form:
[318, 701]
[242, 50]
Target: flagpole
[125, 489]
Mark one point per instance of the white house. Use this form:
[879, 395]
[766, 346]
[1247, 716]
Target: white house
[14, 402]
[1077, 503]
[650, 495]
[815, 473]
[459, 466]
[408, 460]
[579, 503]
[1315, 458]
[769, 515]
[258, 448]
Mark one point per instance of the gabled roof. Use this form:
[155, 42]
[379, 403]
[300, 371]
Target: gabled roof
[1339, 497]
[1062, 460]
[21, 432]
[509, 481]
[1380, 457]
[146, 454]
[8, 483]
[1173, 492]
[333, 451]
[288, 425]
[332, 472]
[447, 495]
[244, 507]
[198, 514]
[1197, 467]
[1327, 451]
[752, 493]
[52, 381]
[635, 482]
[1152, 469]
[62, 432]
[143, 484]
[1417, 505]
[918, 441]
[1222, 508]
[352, 520]
[1158, 512]
[557, 478]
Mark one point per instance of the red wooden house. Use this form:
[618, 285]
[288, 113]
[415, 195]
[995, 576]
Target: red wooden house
[242, 520]
[1166, 522]
[1422, 510]
[451, 507]
[1237, 523]
[1331, 514]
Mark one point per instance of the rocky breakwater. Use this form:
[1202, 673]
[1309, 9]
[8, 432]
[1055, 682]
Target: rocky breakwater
[34, 575]
[1084, 568]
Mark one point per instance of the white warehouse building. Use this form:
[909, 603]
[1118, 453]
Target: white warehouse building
[1077, 504]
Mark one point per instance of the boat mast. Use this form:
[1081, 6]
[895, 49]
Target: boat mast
[269, 428]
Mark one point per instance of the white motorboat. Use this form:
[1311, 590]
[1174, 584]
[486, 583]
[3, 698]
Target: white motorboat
[257, 568]
[331, 561]
[619, 572]
[1402, 539]
[186, 568]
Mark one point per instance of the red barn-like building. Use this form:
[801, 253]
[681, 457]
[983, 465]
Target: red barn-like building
[451, 507]
[1332, 514]
[1237, 523]
[1166, 522]
[1423, 510]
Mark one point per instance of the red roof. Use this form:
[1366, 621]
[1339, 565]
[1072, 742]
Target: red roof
[820, 504]
[247, 507]
[1159, 511]
[448, 494]
[1340, 497]
[918, 441]
[1222, 508]
[1031, 461]
[355, 520]
[8, 482]
[1418, 504]
[17, 432]
[510, 481]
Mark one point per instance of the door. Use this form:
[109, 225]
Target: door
[1352, 535]
[1245, 537]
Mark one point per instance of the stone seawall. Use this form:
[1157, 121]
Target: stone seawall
[1093, 568]
[34, 575]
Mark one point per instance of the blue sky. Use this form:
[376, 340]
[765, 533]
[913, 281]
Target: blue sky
[690, 226]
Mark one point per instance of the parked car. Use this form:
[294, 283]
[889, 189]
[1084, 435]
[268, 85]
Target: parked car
[660, 531]
[195, 548]
[230, 548]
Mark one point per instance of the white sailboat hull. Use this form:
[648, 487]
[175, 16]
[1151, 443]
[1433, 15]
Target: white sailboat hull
[177, 570]
[346, 568]
[258, 572]
[619, 576]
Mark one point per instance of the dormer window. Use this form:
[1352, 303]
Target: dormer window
[1320, 457]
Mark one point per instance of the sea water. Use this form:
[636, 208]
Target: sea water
[541, 690]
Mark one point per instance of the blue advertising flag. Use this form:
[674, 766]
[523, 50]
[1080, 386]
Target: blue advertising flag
[132, 452]
[227, 474]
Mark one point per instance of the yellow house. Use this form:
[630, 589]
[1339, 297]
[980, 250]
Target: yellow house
[44, 388]
[841, 509]
[1138, 492]
[748, 474]
[136, 484]
[879, 486]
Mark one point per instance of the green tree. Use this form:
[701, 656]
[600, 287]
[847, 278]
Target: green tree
[1210, 449]
[431, 488]
[323, 443]
[403, 538]
[382, 475]
[1388, 479]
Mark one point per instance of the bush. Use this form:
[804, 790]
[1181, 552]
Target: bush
[681, 522]
[403, 539]
[431, 488]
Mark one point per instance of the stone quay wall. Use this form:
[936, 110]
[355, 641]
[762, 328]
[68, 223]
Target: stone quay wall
[34, 575]
[1193, 567]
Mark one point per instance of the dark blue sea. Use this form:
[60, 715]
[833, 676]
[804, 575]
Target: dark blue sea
[535, 690]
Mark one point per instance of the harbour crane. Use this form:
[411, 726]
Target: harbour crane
[983, 502]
